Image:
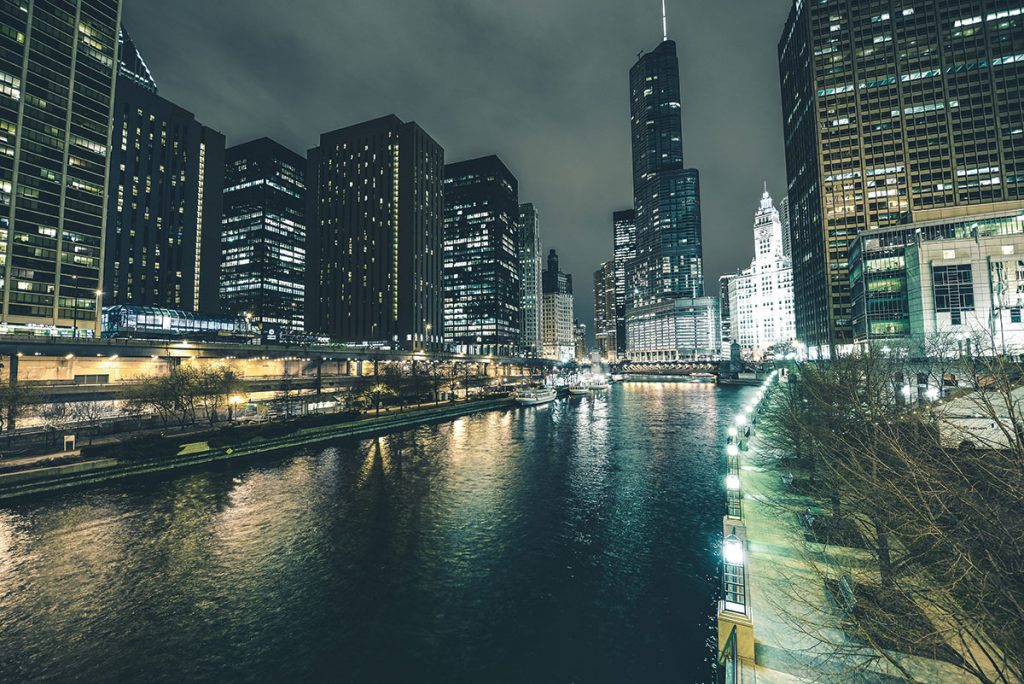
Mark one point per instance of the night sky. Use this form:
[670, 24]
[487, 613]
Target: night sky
[541, 83]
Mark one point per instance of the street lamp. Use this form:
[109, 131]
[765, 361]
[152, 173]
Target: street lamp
[732, 482]
[732, 450]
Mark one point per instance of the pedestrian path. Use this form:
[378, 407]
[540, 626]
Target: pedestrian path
[796, 627]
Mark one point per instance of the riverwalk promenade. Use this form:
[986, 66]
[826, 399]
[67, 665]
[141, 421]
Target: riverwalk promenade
[796, 624]
[124, 460]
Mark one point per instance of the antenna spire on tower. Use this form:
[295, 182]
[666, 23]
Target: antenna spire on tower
[664, 22]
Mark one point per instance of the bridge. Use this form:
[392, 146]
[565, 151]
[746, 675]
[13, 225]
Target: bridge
[688, 368]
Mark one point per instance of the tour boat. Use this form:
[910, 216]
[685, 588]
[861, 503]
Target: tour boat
[536, 395]
[579, 389]
[600, 386]
[616, 377]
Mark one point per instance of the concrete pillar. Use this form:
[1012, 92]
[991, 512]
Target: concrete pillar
[12, 408]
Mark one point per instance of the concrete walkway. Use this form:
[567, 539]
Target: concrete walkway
[796, 627]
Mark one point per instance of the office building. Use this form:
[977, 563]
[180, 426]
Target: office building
[375, 236]
[683, 329]
[668, 265]
[57, 73]
[724, 313]
[482, 294]
[605, 324]
[787, 243]
[761, 295]
[530, 268]
[928, 284]
[263, 261]
[557, 334]
[164, 209]
[894, 112]
[579, 335]
[624, 228]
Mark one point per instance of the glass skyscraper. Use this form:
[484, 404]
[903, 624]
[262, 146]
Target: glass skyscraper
[624, 226]
[666, 195]
[530, 267]
[665, 277]
[57, 68]
[481, 257]
[375, 236]
[263, 261]
[893, 112]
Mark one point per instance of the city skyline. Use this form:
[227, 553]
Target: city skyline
[562, 95]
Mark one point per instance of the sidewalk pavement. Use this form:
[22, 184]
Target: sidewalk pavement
[790, 606]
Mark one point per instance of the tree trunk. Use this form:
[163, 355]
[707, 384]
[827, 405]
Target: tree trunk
[884, 556]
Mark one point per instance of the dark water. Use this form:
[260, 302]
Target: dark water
[569, 543]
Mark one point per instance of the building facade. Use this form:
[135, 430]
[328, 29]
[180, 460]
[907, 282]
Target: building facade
[557, 334]
[677, 330]
[724, 312]
[624, 229]
[263, 259]
[530, 269]
[166, 196]
[948, 277]
[605, 312]
[57, 76]
[375, 236]
[787, 240]
[891, 109]
[579, 336]
[761, 296]
[482, 292]
[668, 262]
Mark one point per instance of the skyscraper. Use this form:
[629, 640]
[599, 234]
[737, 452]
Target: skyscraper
[624, 226]
[760, 304]
[787, 244]
[605, 306]
[665, 279]
[530, 268]
[893, 111]
[481, 259]
[375, 235]
[557, 334]
[57, 71]
[263, 263]
[163, 222]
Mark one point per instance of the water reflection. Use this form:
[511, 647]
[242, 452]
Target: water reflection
[567, 542]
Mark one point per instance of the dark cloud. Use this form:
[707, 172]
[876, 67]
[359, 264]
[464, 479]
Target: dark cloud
[542, 83]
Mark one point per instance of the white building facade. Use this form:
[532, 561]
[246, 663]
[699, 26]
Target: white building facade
[761, 296]
[557, 334]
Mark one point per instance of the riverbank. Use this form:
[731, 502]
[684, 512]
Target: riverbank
[241, 442]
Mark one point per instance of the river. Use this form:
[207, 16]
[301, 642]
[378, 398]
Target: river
[574, 542]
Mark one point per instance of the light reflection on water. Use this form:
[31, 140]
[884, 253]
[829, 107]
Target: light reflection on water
[567, 542]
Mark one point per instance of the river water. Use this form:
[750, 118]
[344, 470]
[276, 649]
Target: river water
[575, 542]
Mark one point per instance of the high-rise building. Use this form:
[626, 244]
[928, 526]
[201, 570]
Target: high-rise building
[579, 336]
[164, 208]
[263, 262]
[893, 111]
[724, 313]
[787, 240]
[130, 64]
[58, 65]
[530, 268]
[605, 324]
[668, 265]
[624, 226]
[557, 334]
[481, 258]
[375, 236]
[761, 296]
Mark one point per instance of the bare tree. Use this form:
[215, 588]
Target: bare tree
[92, 413]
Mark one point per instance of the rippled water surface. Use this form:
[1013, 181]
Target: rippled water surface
[574, 542]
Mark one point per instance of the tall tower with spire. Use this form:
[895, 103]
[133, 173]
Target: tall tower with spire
[669, 261]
